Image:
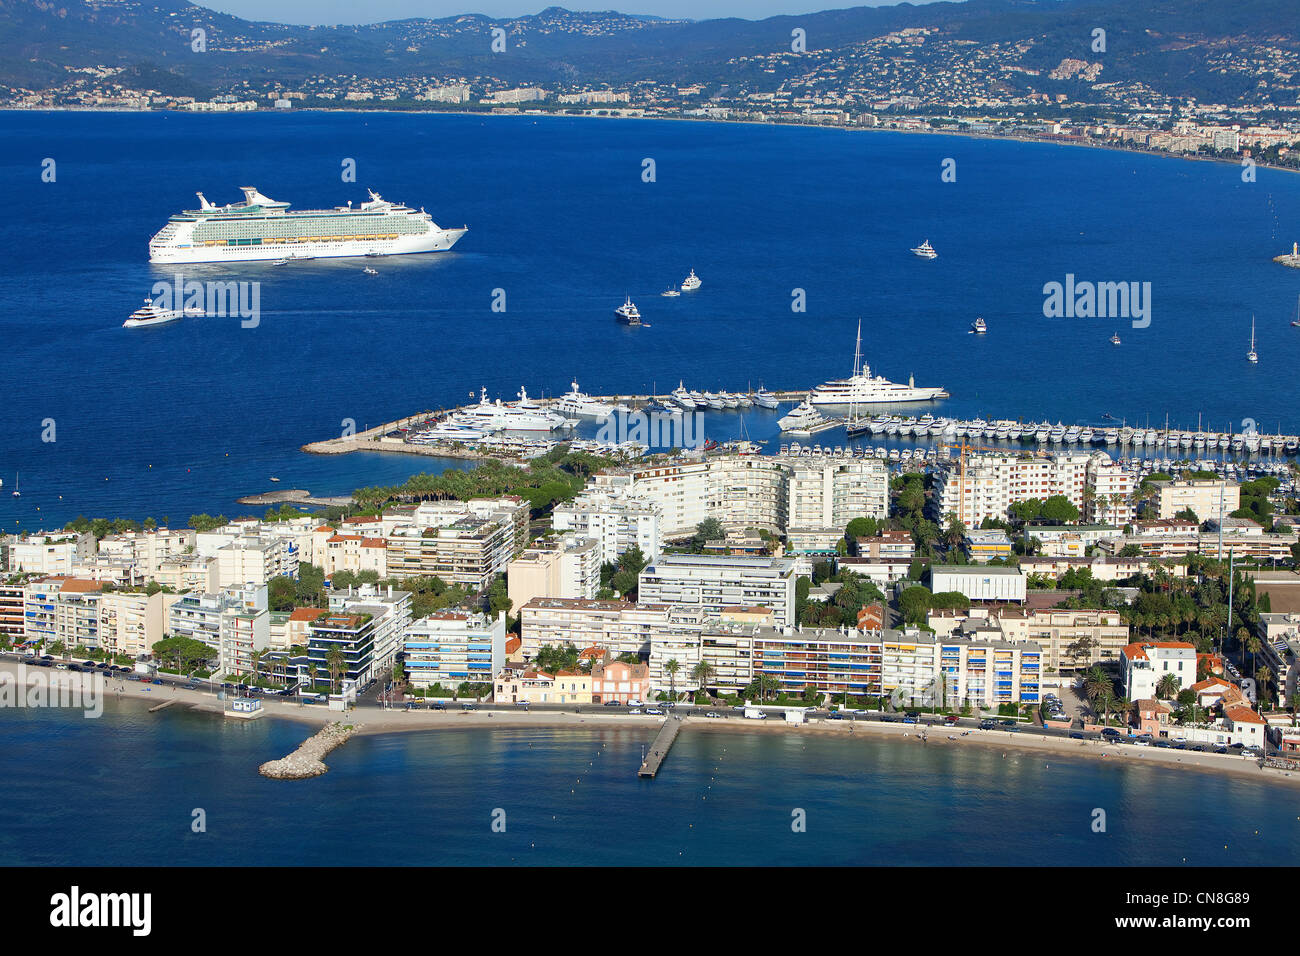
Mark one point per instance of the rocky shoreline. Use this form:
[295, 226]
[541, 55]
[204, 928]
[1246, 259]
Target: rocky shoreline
[308, 759]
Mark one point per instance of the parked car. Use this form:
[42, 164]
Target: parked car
[951, 719]
[613, 703]
[654, 710]
[1251, 752]
[1076, 735]
[1110, 732]
[634, 710]
[988, 724]
[467, 706]
[834, 715]
[713, 713]
[438, 705]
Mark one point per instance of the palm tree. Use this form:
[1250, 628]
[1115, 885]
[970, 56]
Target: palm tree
[702, 673]
[1095, 683]
[1124, 706]
[334, 661]
[1254, 646]
[672, 667]
[1264, 679]
[1168, 686]
[257, 661]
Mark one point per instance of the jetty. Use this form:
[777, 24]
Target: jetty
[1291, 258]
[308, 759]
[157, 707]
[294, 496]
[659, 749]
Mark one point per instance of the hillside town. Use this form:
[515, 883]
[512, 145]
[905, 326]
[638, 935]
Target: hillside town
[1060, 590]
[916, 79]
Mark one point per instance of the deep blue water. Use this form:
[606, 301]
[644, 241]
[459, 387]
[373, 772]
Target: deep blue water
[186, 418]
[572, 797]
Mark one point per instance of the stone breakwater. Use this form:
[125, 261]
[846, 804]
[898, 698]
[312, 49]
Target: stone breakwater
[308, 759]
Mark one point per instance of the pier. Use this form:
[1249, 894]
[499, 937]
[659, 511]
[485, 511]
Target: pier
[308, 760]
[659, 749]
[157, 707]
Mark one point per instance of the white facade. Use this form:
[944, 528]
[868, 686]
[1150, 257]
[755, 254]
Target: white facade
[716, 584]
[452, 647]
[980, 583]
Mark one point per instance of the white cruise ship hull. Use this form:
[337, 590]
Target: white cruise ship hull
[178, 247]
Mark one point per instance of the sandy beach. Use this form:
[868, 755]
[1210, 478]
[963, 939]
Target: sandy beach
[373, 720]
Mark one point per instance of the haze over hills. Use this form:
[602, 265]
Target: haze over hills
[1192, 48]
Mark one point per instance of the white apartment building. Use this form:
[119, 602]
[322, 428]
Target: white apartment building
[1143, 664]
[1062, 635]
[131, 623]
[566, 568]
[716, 583]
[256, 559]
[244, 632]
[784, 494]
[922, 667]
[452, 647]
[620, 627]
[1110, 487]
[62, 609]
[993, 483]
[54, 553]
[618, 523]
[200, 617]
[1208, 498]
[147, 550]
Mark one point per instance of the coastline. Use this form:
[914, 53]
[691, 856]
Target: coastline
[959, 134]
[370, 721]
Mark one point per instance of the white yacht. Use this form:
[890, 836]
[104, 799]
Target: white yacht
[713, 401]
[627, 313]
[682, 397]
[979, 326]
[691, 282]
[925, 251]
[1114, 339]
[370, 272]
[1057, 434]
[574, 402]
[1252, 356]
[764, 399]
[523, 416]
[150, 314]
[862, 388]
[670, 293]
[803, 419]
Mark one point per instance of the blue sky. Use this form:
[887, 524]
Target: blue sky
[373, 11]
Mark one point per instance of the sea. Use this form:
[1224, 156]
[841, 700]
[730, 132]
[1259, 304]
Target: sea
[186, 418]
[182, 788]
[798, 234]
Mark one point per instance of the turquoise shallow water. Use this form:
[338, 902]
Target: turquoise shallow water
[188, 417]
[121, 790]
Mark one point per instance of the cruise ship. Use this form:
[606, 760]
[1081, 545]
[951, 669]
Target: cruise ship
[864, 389]
[260, 228]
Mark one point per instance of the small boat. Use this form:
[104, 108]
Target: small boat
[1114, 339]
[670, 293]
[978, 327]
[16, 492]
[1252, 356]
[280, 262]
[370, 272]
[1296, 320]
[374, 254]
[627, 313]
[691, 282]
[925, 251]
[273, 478]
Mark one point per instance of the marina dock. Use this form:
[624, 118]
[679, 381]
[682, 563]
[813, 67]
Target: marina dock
[659, 749]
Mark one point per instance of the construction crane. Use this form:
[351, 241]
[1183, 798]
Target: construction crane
[962, 448]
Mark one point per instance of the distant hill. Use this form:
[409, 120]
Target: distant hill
[1169, 45]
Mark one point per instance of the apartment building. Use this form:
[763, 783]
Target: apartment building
[200, 617]
[62, 609]
[924, 668]
[11, 613]
[618, 626]
[1070, 640]
[718, 583]
[355, 553]
[132, 622]
[1143, 664]
[352, 636]
[1110, 489]
[452, 647]
[255, 558]
[1207, 498]
[55, 553]
[147, 550]
[568, 567]
[993, 483]
[620, 681]
[538, 687]
[245, 633]
[617, 523]
[389, 611]
[792, 495]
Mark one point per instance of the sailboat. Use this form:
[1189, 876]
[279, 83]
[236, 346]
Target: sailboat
[1252, 356]
[1296, 320]
[17, 493]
